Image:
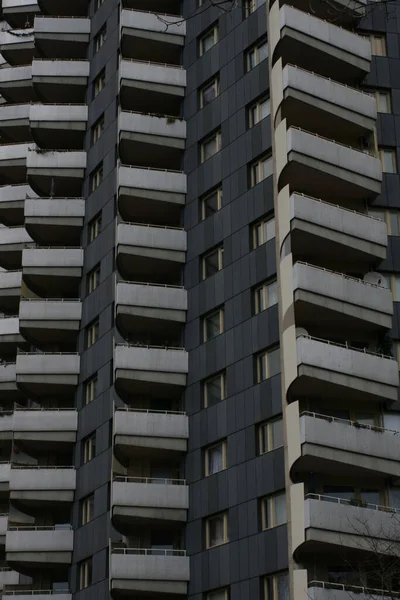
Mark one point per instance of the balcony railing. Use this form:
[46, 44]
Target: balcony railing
[151, 411]
[356, 589]
[149, 551]
[345, 345]
[352, 502]
[138, 345]
[348, 422]
[23, 592]
[343, 275]
[148, 480]
[60, 527]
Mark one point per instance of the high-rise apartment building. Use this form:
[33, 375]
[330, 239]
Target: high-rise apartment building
[200, 254]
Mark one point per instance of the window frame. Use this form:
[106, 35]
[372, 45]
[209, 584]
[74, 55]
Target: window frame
[92, 333]
[223, 444]
[93, 279]
[94, 227]
[257, 171]
[213, 595]
[255, 49]
[250, 6]
[99, 83]
[217, 311]
[215, 136]
[221, 375]
[90, 388]
[98, 129]
[383, 150]
[378, 44]
[86, 509]
[388, 96]
[89, 448]
[85, 569]
[266, 446]
[100, 38]
[274, 579]
[96, 177]
[268, 511]
[214, 31]
[263, 356]
[263, 223]
[264, 289]
[215, 81]
[220, 251]
[224, 515]
[256, 105]
[203, 202]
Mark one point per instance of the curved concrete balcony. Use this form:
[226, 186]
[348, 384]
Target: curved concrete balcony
[5, 468]
[141, 433]
[63, 171]
[3, 529]
[53, 272]
[150, 371]
[172, 7]
[323, 106]
[18, 12]
[138, 571]
[31, 547]
[150, 253]
[150, 195]
[144, 500]
[54, 220]
[320, 230]
[14, 122]
[60, 81]
[325, 590]
[8, 384]
[323, 168]
[12, 201]
[46, 321]
[316, 45]
[58, 126]
[66, 37]
[148, 36]
[154, 141]
[8, 577]
[48, 374]
[31, 486]
[13, 159]
[147, 309]
[335, 446]
[17, 46]
[10, 337]
[6, 430]
[72, 8]
[331, 370]
[342, 12]
[16, 84]
[339, 303]
[45, 427]
[12, 242]
[151, 87]
[335, 525]
[10, 291]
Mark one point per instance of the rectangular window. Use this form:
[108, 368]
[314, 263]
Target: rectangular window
[92, 333]
[256, 54]
[378, 45]
[217, 530]
[209, 92]
[90, 389]
[265, 295]
[96, 177]
[214, 390]
[271, 435]
[261, 169]
[87, 509]
[210, 146]
[99, 83]
[273, 510]
[85, 573]
[276, 587]
[268, 364]
[218, 595]
[213, 324]
[258, 111]
[89, 448]
[263, 231]
[215, 458]
[212, 262]
[100, 38]
[97, 129]
[251, 6]
[94, 227]
[93, 279]
[388, 160]
[208, 40]
[383, 102]
[211, 203]
[97, 4]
